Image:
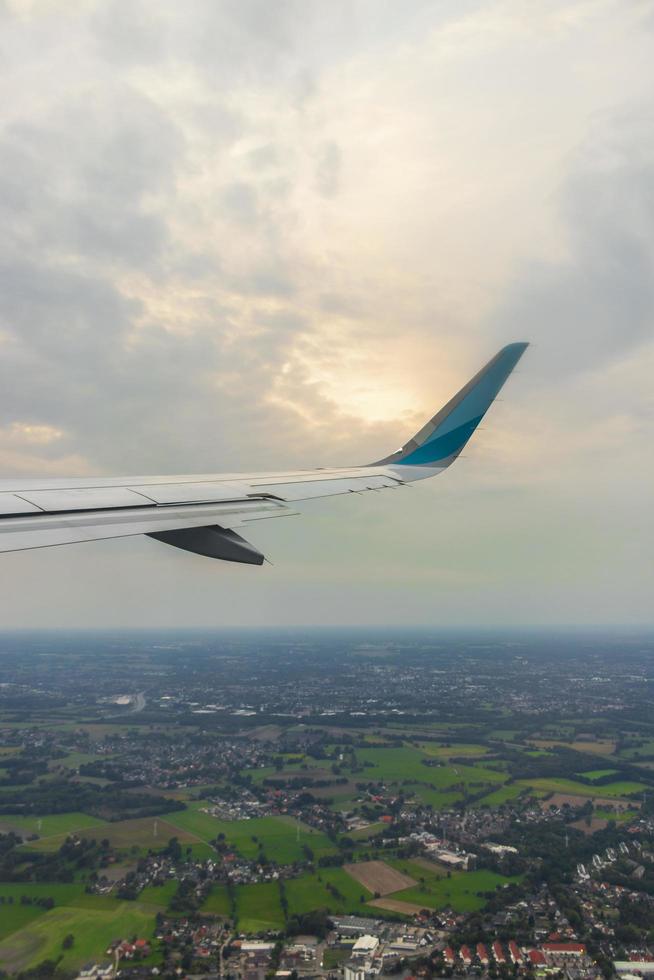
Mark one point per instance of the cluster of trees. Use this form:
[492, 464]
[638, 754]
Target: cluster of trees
[74, 855]
[564, 762]
[509, 864]
[299, 781]
[42, 901]
[314, 923]
[186, 899]
[110, 802]
[23, 769]
[42, 971]
[636, 921]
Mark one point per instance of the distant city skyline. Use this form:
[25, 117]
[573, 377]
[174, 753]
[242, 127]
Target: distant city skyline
[246, 236]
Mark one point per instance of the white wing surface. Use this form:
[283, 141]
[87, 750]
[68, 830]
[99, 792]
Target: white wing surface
[200, 513]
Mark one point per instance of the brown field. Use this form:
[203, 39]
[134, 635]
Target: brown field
[265, 733]
[394, 905]
[378, 877]
[430, 865]
[342, 789]
[618, 805]
[596, 823]
[560, 799]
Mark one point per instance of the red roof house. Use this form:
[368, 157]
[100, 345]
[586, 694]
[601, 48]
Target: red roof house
[565, 949]
[514, 952]
[498, 952]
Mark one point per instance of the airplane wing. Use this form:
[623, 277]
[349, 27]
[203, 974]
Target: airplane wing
[199, 513]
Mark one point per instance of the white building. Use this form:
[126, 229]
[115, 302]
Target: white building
[354, 972]
[500, 848]
[256, 947]
[365, 946]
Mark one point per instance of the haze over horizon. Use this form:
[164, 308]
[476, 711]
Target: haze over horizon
[245, 236]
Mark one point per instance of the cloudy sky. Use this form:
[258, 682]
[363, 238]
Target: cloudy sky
[248, 234]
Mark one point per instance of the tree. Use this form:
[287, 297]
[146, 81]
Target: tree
[68, 941]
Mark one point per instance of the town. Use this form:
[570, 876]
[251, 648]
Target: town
[326, 805]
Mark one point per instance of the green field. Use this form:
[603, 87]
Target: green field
[501, 795]
[594, 774]
[429, 871]
[405, 764]
[333, 958]
[372, 830]
[620, 816]
[461, 891]
[447, 751]
[48, 826]
[93, 931]
[278, 835]
[643, 750]
[15, 917]
[556, 785]
[159, 894]
[218, 902]
[143, 833]
[60, 893]
[294, 764]
[438, 799]
[311, 892]
[258, 907]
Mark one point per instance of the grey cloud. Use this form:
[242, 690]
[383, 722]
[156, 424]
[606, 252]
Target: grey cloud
[287, 42]
[78, 180]
[239, 203]
[151, 401]
[225, 41]
[127, 34]
[271, 278]
[599, 302]
[328, 170]
[59, 313]
[264, 157]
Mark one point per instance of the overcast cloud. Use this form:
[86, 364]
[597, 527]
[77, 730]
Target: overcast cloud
[254, 234]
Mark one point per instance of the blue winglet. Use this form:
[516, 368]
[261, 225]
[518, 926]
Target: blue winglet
[441, 440]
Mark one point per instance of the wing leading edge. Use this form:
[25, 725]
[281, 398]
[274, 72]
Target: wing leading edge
[199, 513]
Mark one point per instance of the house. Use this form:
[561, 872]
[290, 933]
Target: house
[482, 954]
[498, 952]
[514, 952]
[466, 955]
[565, 949]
